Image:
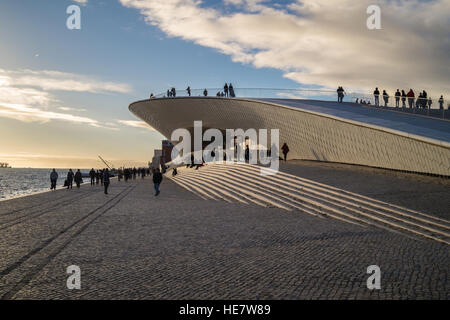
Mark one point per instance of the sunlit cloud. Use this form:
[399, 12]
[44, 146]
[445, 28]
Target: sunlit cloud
[62, 81]
[320, 42]
[136, 124]
[25, 96]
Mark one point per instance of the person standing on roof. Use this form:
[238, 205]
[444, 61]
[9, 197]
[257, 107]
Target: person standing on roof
[397, 98]
[376, 94]
[410, 96]
[441, 103]
[385, 98]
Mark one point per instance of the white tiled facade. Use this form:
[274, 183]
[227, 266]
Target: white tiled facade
[309, 136]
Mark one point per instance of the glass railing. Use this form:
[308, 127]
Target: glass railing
[408, 105]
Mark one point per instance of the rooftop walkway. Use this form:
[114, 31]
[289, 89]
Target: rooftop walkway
[412, 124]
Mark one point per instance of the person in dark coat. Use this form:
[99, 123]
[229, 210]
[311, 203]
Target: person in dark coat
[70, 179]
[397, 98]
[157, 179]
[106, 180]
[285, 150]
[78, 178]
[92, 175]
[231, 90]
[403, 99]
[376, 94]
[53, 179]
[225, 90]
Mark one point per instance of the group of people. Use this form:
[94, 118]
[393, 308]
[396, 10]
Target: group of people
[103, 177]
[228, 91]
[422, 101]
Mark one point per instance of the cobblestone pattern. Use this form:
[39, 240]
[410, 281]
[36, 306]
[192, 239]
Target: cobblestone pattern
[177, 246]
[309, 136]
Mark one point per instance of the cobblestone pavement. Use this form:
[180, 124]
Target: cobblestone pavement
[132, 245]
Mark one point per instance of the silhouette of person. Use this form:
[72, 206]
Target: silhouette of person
[70, 179]
[285, 150]
[106, 180]
[225, 90]
[376, 94]
[78, 178]
[397, 98]
[188, 91]
[53, 179]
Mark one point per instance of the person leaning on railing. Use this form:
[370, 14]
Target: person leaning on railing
[376, 94]
[441, 103]
[410, 96]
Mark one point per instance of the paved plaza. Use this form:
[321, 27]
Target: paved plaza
[132, 245]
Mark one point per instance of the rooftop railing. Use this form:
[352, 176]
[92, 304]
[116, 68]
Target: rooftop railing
[415, 105]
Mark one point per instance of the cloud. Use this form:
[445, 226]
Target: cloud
[320, 42]
[63, 81]
[23, 96]
[136, 124]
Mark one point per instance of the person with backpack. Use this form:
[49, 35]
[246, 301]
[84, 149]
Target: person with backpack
[157, 179]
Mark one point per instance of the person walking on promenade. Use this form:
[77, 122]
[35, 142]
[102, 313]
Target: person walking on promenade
[106, 180]
[53, 179]
[92, 175]
[174, 92]
[168, 93]
[285, 150]
[403, 99]
[205, 93]
[376, 94]
[119, 174]
[78, 178]
[134, 173]
[441, 103]
[188, 89]
[385, 98]
[97, 177]
[157, 178]
[430, 102]
[70, 179]
[174, 172]
[101, 177]
[225, 90]
[397, 98]
[410, 96]
[231, 91]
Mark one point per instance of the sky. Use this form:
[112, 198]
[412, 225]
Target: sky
[64, 94]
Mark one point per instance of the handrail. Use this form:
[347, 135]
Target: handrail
[416, 105]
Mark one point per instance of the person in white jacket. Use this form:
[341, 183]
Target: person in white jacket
[53, 179]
